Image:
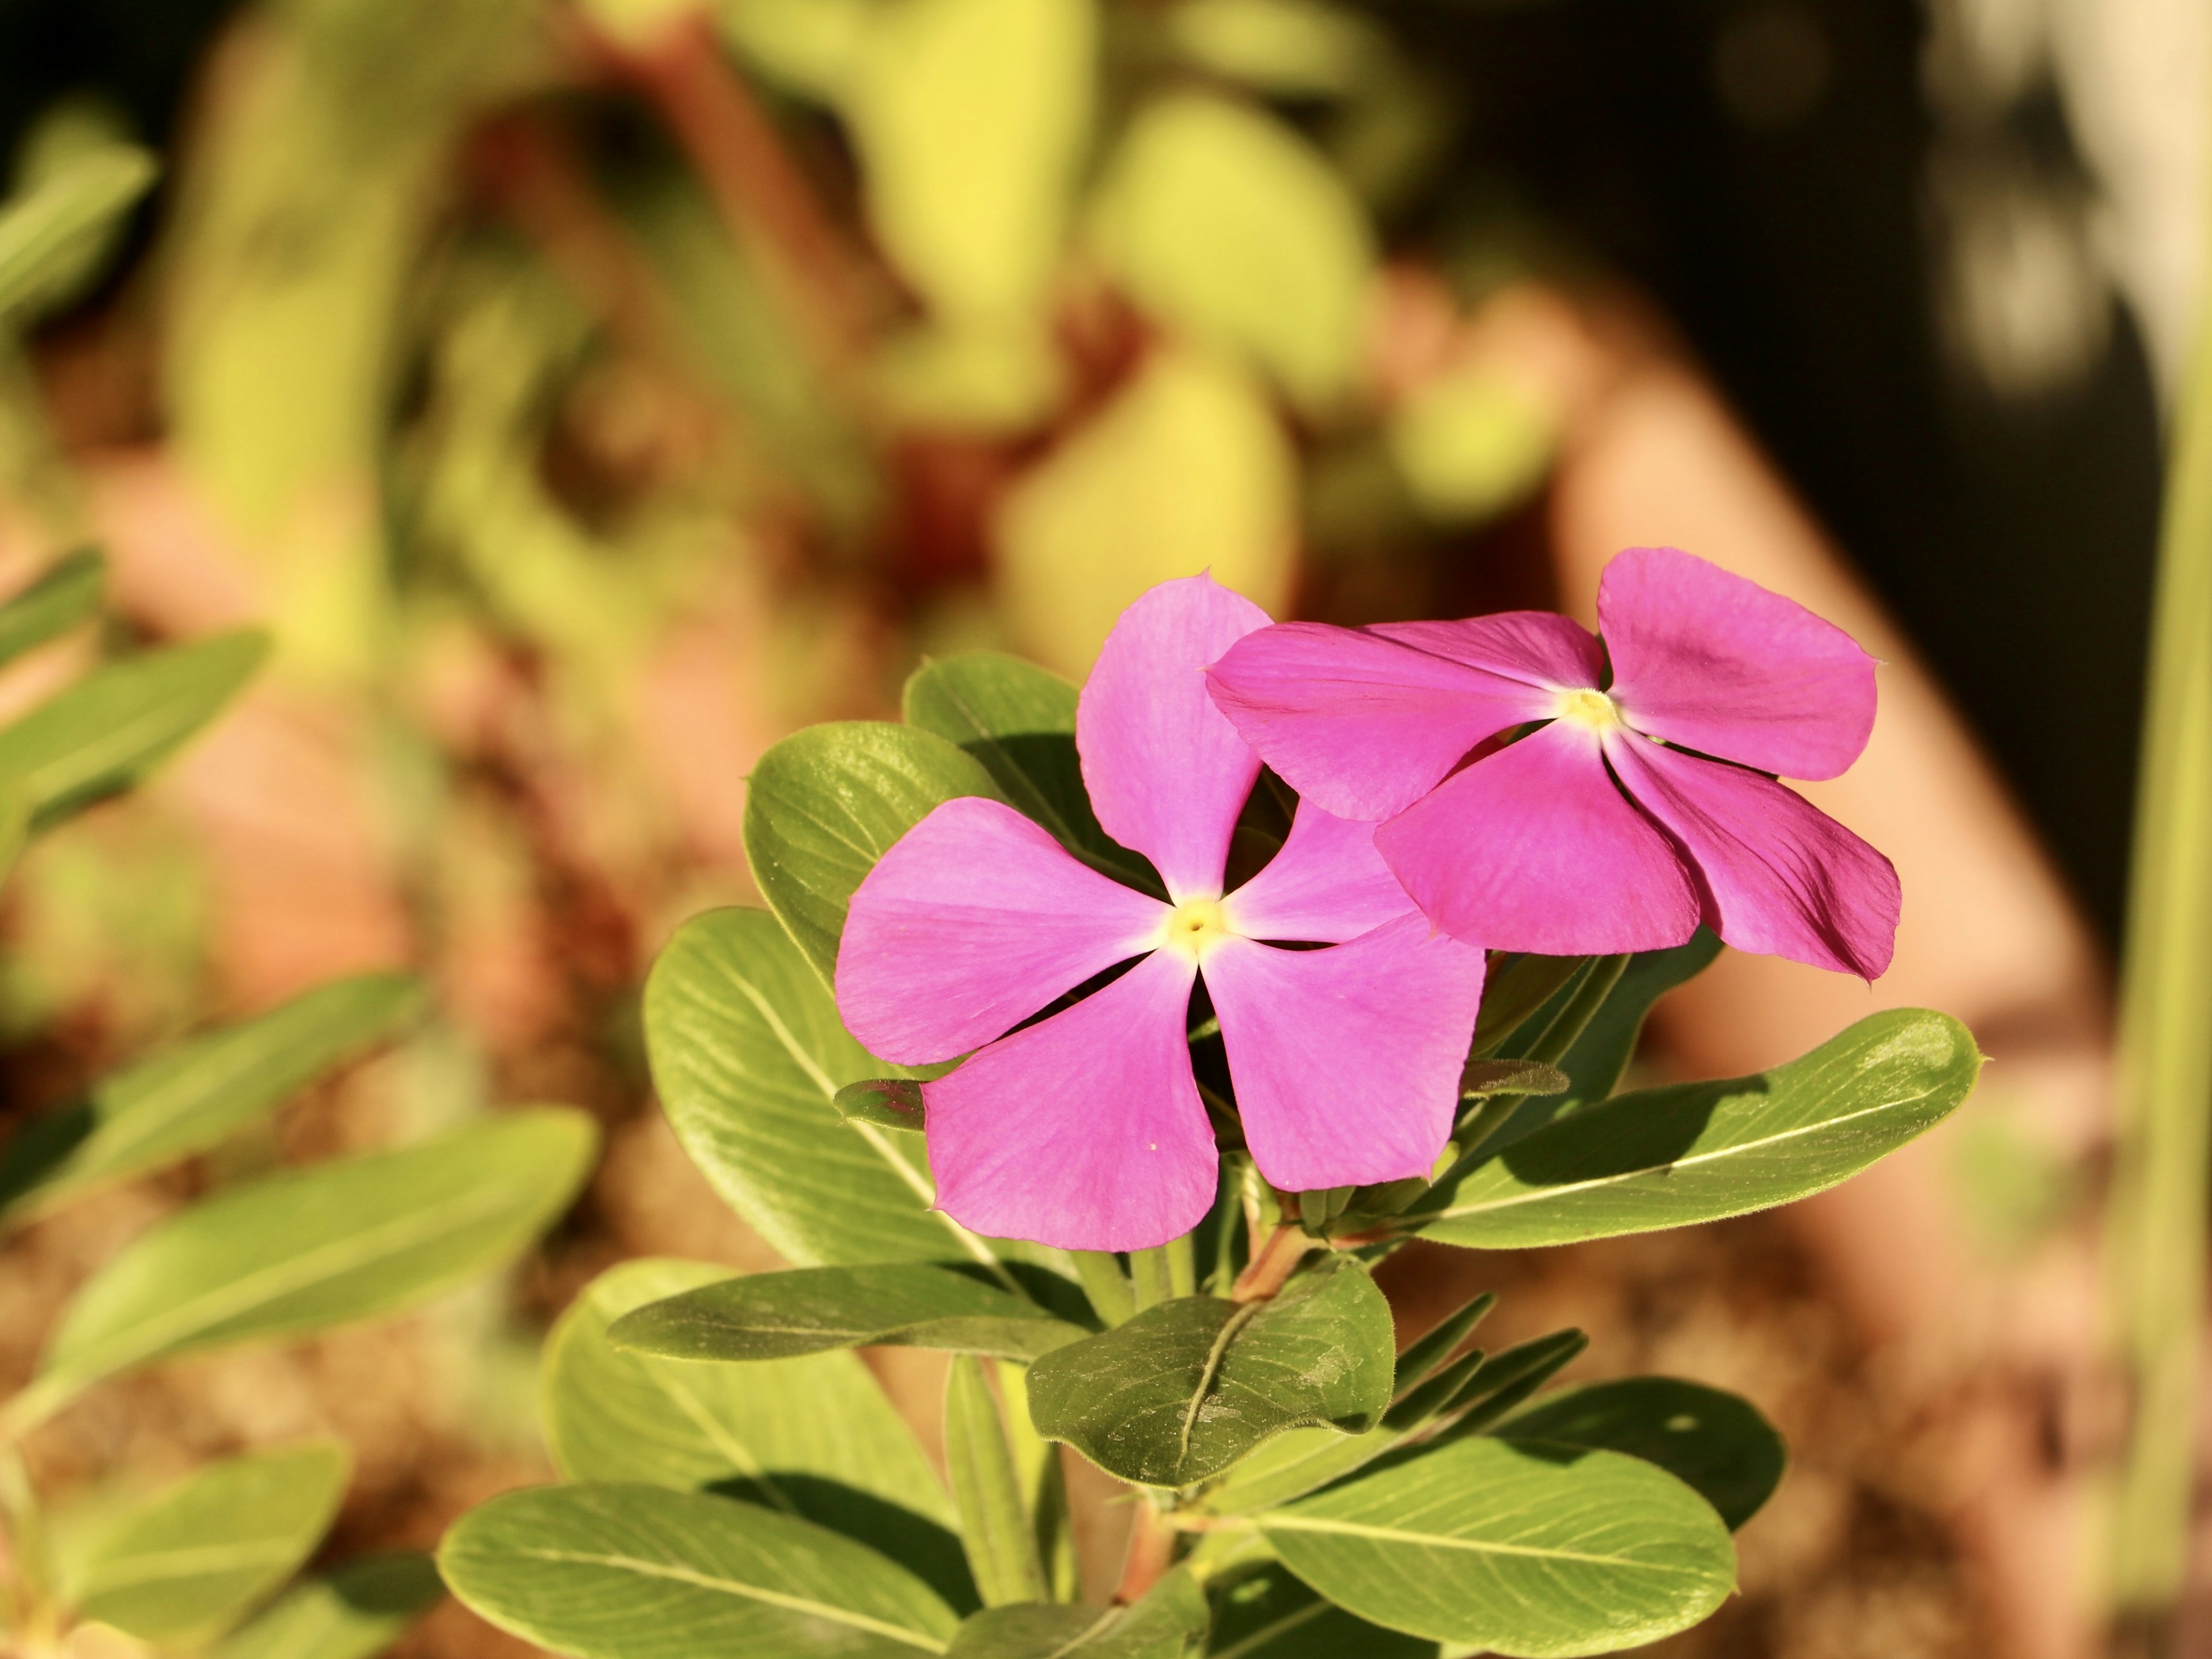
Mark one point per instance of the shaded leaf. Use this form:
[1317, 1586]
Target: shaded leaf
[813, 1437]
[1169, 1622]
[811, 1310]
[1513, 995]
[309, 1248]
[1512, 1548]
[1697, 1152]
[184, 1565]
[185, 1100]
[994, 1525]
[1187, 1388]
[826, 802]
[67, 594]
[748, 1054]
[114, 726]
[1716, 1443]
[355, 1611]
[641, 1572]
[1265, 1614]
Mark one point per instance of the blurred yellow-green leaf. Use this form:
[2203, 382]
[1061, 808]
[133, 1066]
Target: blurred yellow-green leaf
[1468, 445]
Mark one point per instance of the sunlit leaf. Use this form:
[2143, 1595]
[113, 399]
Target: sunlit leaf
[1469, 446]
[184, 1565]
[1513, 1548]
[67, 594]
[43, 234]
[355, 1611]
[185, 1100]
[641, 1572]
[994, 1522]
[1169, 1622]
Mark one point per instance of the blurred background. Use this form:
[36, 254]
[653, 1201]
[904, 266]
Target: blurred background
[588, 394]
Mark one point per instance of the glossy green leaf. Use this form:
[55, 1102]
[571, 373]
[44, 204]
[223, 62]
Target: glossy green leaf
[1169, 1623]
[994, 1524]
[813, 1437]
[114, 727]
[748, 1053]
[183, 1100]
[1221, 219]
[1513, 1548]
[309, 1248]
[886, 1102]
[1697, 1152]
[1265, 1613]
[1716, 1443]
[355, 1611]
[44, 233]
[1187, 1388]
[827, 802]
[1018, 720]
[641, 1572]
[68, 592]
[812, 1310]
[183, 1566]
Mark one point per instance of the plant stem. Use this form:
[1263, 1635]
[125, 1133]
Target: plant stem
[2155, 1223]
[1277, 1260]
[1152, 1548]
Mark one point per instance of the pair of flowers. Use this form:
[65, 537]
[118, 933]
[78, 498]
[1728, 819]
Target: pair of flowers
[1463, 786]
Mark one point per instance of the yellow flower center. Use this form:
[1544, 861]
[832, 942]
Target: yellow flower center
[1589, 708]
[1195, 925]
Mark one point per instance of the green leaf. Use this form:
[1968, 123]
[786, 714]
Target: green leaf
[1697, 1152]
[887, 1102]
[1018, 720]
[1186, 1388]
[1265, 1614]
[1520, 988]
[114, 726]
[813, 1437]
[309, 1248]
[1169, 1622]
[1716, 1443]
[994, 1525]
[355, 1611]
[183, 1566]
[67, 594]
[1517, 1548]
[43, 235]
[811, 1310]
[827, 802]
[187, 1099]
[1220, 219]
[748, 1054]
[641, 1572]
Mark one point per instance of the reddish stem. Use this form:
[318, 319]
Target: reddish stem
[1152, 1547]
[1271, 1269]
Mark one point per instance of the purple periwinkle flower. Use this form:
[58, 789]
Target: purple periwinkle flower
[1644, 802]
[1085, 1129]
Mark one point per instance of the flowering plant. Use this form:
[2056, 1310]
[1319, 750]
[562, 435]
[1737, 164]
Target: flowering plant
[1075, 1044]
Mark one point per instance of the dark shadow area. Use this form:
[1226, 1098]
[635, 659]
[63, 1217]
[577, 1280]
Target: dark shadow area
[927, 1550]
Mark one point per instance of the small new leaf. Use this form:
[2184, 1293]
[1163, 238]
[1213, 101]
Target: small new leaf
[889, 1102]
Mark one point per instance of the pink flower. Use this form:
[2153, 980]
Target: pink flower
[1641, 806]
[1086, 1130]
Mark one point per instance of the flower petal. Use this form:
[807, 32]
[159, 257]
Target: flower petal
[1327, 883]
[1365, 722]
[1713, 662]
[1166, 773]
[1536, 647]
[1535, 849]
[975, 919]
[1779, 876]
[1083, 1131]
[1348, 1061]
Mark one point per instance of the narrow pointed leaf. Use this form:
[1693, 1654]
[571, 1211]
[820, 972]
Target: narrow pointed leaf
[111, 729]
[813, 1437]
[185, 1100]
[1266, 1614]
[1513, 1548]
[355, 1611]
[1169, 1623]
[748, 1054]
[1001, 1547]
[1504, 1380]
[641, 1572]
[67, 594]
[826, 802]
[1186, 1388]
[1716, 1443]
[1430, 1349]
[1699, 1151]
[1514, 995]
[1018, 720]
[45, 232]
[309, 1248]
[812, 1310]
[186, 1565]
[1489, 1078]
